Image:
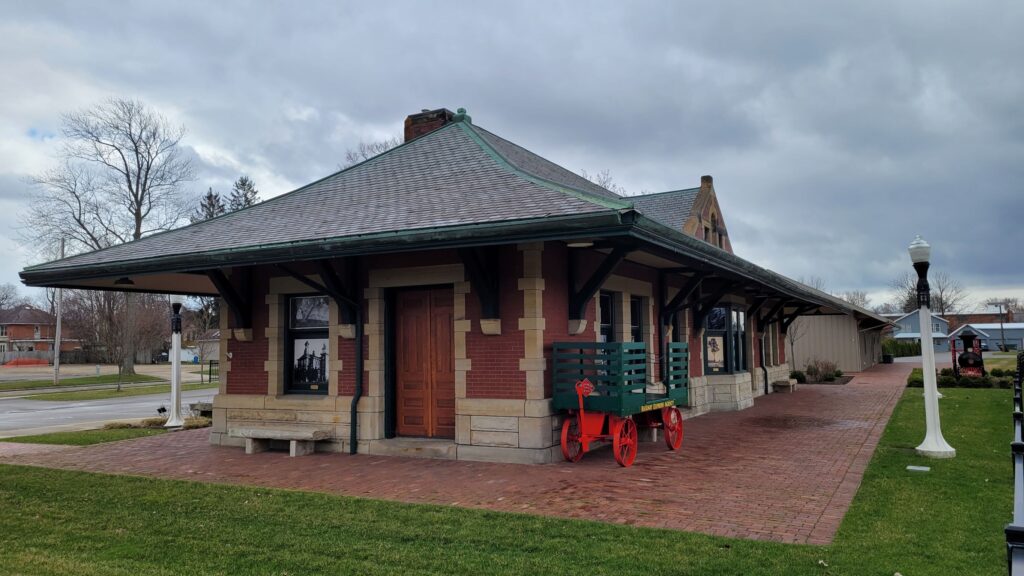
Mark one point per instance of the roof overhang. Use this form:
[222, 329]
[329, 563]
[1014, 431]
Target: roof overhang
[187, 273]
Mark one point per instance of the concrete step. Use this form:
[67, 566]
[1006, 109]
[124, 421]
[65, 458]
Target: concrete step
[442, 449]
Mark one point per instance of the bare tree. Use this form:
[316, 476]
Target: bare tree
[948, 295]
[856, 297]
[816, 282]
[366, 150]
[605, 180]
[9, 296]
[120, 179]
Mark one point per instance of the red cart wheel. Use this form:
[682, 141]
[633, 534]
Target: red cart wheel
[572, 448]
[672, 421]
[624, 442]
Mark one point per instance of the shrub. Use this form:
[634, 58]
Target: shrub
[997, 372]
[193, 422]
[119, 425]
[1004, 383]
[799, 376]
[986, 382]
[838, 373]
[970, 382]
[821, 370]
[157, 422]
[947, 381]
[899, 348]
[946, 372]
[916, 378]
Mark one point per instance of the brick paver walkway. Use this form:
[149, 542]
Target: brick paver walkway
[784, 470]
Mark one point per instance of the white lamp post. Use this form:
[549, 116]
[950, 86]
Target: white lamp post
[174, 419]
[934, 444]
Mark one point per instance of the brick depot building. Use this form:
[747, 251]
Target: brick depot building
[408, 304]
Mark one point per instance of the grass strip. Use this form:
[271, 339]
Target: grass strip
[946, 521]
[85, 437]
[81, 395]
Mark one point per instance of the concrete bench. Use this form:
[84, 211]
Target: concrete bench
[301, 441]
[202, 409]
[784, 386]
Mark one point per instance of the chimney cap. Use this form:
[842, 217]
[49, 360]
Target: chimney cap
[707, 179]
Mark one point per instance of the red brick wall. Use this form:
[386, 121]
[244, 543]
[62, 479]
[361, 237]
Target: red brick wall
[495, 372]
[556, 305]
[247, 375]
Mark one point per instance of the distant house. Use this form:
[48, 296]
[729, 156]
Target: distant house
[992, 334]
[958, 319]
[908, 328]
[26, 328]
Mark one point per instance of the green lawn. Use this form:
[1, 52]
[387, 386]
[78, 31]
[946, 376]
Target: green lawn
[948, 521]
[86, 437]
[111, 393]
[1004, 360]
[79, 381]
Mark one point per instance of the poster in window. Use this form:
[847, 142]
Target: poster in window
[716, 352]
[309, 312]
[309, 369]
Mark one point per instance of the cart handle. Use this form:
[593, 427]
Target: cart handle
[583, 388]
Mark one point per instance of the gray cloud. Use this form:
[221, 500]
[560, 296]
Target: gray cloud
[834, 132]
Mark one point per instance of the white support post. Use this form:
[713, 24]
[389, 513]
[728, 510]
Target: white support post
[174, 419]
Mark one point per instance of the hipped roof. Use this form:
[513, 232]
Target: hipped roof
[458, 185]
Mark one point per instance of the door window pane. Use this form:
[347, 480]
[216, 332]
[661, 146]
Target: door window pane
[636, 318]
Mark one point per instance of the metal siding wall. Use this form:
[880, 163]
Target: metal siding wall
[832, 338]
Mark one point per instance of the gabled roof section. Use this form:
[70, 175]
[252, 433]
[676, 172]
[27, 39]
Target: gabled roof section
[912, 312]
[971, 329]
[672, 208]
[457, 175]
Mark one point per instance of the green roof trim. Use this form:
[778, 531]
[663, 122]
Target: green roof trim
[504, 162]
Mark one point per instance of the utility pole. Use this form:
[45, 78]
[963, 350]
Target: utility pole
[56, 334]
[1002, 333]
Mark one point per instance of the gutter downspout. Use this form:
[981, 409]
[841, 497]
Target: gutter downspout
[764, 368]
[353, 441]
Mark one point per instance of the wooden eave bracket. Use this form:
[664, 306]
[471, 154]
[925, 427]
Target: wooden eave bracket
[677, 303]
[700, 311]
[578, 298]
[346, 298]
[241, 307]
[482, 267]
[331, 287]
[790, 318]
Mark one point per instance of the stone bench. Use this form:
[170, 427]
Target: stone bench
[301, 441]
[202, 409]
[784, 386]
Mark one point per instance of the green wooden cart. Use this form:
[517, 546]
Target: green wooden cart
[604, 388]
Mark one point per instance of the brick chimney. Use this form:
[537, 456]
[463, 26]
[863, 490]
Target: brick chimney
[707, 183]
[426, 121]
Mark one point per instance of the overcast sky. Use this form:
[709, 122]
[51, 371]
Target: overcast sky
[834, 132]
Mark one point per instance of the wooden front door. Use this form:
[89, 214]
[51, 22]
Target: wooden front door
[425, 363]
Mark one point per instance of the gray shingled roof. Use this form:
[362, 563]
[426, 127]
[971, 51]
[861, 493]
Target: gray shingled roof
[669, 208]
[459, 174]
[540, 167]
[25, 314]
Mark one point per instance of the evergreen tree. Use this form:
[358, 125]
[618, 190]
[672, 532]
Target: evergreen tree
[243, 194]
[209, 207]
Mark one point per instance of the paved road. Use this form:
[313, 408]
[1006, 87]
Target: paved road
[19, 417]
